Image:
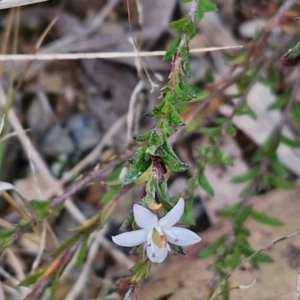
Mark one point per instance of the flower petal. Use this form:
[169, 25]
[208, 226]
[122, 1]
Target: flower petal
[143, 217]
[156, 254]
[181, 236]
[173, 216]
[131, 239]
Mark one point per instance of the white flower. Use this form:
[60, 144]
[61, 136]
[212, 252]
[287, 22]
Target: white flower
[157, 233]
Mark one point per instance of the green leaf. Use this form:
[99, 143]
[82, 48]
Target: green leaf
[230, 210]
[264, 219]
[144, 137]
[245, 109]
[222, 158]
[279, 168]
[183, 24]
[279, 103]
[212, 248]
[203, 182]
[249, 175]
[107, 211]
[289, 142]
[163, 195]
[7, 233]
[156, 138]
[30, 279]
[140, 163]
[174, 116]
[169, 157]
[242, 216]
[296, 113]
[188, 90]
[172, 49]
[230, 130]
[68, 243]
[233, 260]
[82, 252]
[188, 217]
[40, 205]
[109, 195]
[115, 173]
[260, 257]
[212, 131]
[203, 7]
[279, 182]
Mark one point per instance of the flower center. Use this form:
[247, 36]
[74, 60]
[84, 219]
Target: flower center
[160, 240]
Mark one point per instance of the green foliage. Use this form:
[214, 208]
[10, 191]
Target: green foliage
[82, 252]
[32, 278]
[172, 49]
[264, 218]
[204, 183]
[212, 248]
[140, 163]
[204, 7]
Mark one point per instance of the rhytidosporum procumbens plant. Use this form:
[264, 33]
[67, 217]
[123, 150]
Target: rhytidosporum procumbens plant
[157, 213]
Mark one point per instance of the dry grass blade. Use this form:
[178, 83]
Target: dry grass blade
[4, 4]
[109, 55]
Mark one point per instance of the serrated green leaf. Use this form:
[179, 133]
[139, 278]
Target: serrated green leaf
[144, 137]
[140, 163]
[279, 182]
[222, 157]
[264, 219]
[172, 49]
[212, 248]
[156, 111]
[249, 175]
[188, 90]
[203, 182]
[156, 137]
[174, 117]
[187, 69]
[169, 158]
[7, 233]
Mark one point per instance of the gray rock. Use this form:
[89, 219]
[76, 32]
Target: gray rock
[57, 141]
[84, 130]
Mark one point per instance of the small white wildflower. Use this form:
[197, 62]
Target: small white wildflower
[157, 233]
